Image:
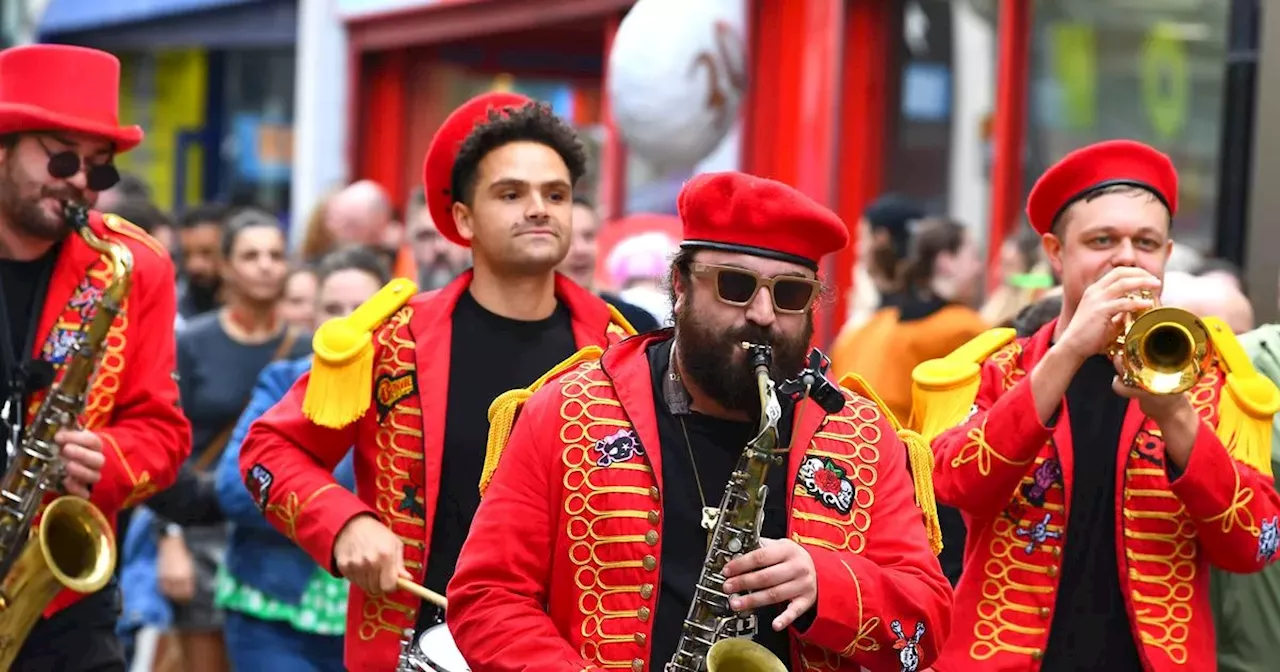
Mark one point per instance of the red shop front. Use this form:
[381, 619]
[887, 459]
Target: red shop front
[823, 82]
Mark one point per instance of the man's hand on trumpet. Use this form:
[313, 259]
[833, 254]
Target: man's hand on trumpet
[1102, 309]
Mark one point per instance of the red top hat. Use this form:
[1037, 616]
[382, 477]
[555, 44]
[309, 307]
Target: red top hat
[437, 172]
[49, 87]
[737, 212]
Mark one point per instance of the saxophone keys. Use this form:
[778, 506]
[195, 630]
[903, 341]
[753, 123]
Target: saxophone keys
[710, 516]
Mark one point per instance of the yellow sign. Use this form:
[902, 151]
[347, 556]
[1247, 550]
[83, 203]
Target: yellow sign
[164, 92]
[1166, 84]
[1076, 69]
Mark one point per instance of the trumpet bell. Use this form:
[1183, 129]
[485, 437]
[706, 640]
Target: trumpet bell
[1166, 351]
[742, 655]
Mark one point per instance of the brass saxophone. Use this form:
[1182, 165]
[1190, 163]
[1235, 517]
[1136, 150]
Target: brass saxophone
[73, 546]
[714, 637]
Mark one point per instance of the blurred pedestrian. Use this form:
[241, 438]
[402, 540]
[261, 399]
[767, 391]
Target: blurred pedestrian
[438, 259]
[580, 265]
[200, 239]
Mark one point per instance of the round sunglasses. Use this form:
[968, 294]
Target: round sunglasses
[65, 164]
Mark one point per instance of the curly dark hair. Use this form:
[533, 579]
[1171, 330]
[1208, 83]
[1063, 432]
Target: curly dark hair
[534, 122]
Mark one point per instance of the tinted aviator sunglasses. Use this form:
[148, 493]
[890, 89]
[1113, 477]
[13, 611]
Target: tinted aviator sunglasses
[65, 164]
[739, 286]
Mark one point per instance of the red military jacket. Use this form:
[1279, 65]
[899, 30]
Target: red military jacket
[288, 460]
[1002, 470]
[561, 572]
[133, 401]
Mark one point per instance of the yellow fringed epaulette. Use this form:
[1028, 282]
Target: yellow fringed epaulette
[919, 455]
[1248, 401]
[341, 386]
[128, 229]
[502, 412]
[616, 319]
[943, 390]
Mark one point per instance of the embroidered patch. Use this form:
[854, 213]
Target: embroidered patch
[389, 391]
[85, 300]
[409, 502]
[908, 647]
[1037, 534]
[60, 344]
[259, 481]
[1148, 445]
[1268, 540]
[618, 447]
[1048, 474]
[827, 482]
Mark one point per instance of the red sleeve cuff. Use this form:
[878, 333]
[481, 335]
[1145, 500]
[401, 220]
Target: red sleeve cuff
[1207, 487]
[315, 522]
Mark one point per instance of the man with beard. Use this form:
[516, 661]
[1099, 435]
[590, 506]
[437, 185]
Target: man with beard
[200, 232]
[1095, 508]
[591, 536]
[410, 382]
[439, 260]
[57, 145]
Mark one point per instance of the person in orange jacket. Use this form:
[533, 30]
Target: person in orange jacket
[59, 136]
[409, 382]
[589, 542]
[1095, 508]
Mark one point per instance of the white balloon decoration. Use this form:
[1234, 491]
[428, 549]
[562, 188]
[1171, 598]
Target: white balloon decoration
[677, 75]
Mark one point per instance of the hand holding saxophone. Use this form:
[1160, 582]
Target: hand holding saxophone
[779, 571]
[82, 460]
[1099, 317]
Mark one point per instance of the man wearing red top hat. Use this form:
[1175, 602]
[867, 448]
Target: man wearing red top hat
[592, 535]
[59, 135]
[410, 381]
[1095, 508]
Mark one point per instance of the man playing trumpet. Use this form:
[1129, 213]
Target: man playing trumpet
[1095, 507]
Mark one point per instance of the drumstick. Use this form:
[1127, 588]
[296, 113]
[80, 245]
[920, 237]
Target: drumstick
[422, 592]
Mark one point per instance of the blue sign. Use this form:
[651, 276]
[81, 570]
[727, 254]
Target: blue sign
[263, 148]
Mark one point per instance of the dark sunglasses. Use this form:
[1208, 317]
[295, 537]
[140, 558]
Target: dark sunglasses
[65, 164]
[738, 287]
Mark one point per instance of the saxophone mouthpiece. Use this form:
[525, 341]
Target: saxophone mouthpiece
[760, 355]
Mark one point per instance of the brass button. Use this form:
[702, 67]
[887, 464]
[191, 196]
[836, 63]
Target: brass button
[646, 591]
[653, 492]
[1044, 612]
[653, 517]
[1053, 571]
[650, 563]
[1037, 655]
[637, 664]
[641, 638]
[1057, 552]
[651, 537]
[643, 614]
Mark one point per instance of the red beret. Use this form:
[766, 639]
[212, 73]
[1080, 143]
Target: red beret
[1105, 164]
[737, 212]
[437, 170]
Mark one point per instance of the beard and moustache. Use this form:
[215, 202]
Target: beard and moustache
[713, 359]
[20, 205]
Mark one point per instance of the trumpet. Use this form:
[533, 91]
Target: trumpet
[1164, 350]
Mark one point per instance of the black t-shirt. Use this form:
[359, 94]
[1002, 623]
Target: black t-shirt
[23, 285]
[1091, 629]
[716, 446]
[490, 354]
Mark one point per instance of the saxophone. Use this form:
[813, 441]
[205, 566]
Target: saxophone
[73, 546]
[714, 637]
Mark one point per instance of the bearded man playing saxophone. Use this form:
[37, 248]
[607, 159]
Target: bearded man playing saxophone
[591, 537]
[1096, 504]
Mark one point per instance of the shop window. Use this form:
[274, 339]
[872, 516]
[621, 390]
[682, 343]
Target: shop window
[257, 150]
[1147, 70]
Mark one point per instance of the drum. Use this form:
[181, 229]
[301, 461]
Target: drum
[436, 647]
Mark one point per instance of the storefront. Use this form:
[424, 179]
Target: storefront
[847, 100]
[211, 81]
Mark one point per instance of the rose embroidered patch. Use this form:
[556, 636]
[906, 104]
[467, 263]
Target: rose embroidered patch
[1268, 539]
[827, 482]
[259, 481]
[618, 447]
